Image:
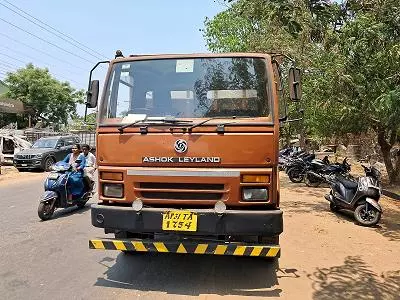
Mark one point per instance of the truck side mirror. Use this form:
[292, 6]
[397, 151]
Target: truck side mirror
[92, 94]
[295, 84]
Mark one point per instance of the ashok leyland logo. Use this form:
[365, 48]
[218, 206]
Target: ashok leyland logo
[181, 146]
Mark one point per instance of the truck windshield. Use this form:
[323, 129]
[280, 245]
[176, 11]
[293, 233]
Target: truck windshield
[186, 88]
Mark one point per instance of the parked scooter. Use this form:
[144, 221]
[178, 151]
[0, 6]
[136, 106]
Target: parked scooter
[361, 196]
[56, 192]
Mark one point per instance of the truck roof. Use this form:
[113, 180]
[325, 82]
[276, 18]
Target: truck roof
[193, 55]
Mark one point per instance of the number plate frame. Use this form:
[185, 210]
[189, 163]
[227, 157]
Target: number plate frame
[179, 220]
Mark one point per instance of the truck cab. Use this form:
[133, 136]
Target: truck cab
[187, 150]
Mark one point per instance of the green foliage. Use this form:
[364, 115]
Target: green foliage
[78, 123]
[48, 98]
[350, 53]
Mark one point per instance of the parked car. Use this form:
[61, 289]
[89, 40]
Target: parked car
[45, 152]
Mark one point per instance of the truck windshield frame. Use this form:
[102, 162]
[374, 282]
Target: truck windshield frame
[187, 88]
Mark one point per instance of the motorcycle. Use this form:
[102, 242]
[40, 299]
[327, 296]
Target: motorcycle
[286, 155]
[296, 168]
[318, 170]
[360, 196]
[56, 192]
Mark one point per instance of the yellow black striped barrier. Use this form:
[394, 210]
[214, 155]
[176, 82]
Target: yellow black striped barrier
[187, 247]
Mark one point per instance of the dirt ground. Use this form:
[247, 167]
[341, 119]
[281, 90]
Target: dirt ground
[9, 174]
[324, 255]
[328, 256]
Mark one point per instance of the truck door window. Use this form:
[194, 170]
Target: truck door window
[122, 91]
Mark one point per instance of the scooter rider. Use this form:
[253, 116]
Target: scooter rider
[90, 166]
[75, 181]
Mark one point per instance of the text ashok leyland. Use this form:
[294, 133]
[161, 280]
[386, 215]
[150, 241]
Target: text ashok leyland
[186, 159]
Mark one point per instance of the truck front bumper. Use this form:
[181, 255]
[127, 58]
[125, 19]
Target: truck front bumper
[187, 247]
[149, 220]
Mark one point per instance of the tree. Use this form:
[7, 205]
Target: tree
[296, 28]
[49, 99]
[367, 85]
[78, 123]
[350, 53]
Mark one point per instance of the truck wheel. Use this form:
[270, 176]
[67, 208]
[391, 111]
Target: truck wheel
[48, 163]
[45, 211]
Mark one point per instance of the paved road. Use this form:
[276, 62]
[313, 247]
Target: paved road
[51, 260]
[324, 257]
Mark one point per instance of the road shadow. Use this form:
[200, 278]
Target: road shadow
[354, 280]
[389, 225]
[194, 275]
[303, 207]
[66, 212]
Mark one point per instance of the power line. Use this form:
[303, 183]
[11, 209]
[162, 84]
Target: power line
[46, 41]
[7, 64]
[43, 52]
[56, 30]
[61, 35]
[9, 56]
[51, 72]
[36, 59]
[4, 69]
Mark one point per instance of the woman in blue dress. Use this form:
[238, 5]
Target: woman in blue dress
[75, 181]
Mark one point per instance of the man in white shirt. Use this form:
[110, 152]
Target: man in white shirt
[90, 166]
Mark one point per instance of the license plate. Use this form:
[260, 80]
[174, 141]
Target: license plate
[24, 165]
[179, 220]
[53, 176]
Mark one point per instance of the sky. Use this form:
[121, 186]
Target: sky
[133, 26]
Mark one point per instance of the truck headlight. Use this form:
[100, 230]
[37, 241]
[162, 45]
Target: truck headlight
[255, 194]
[113, 190]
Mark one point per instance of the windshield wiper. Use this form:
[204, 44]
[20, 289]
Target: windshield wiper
[121, 128]
[215, 118]
[155, 120]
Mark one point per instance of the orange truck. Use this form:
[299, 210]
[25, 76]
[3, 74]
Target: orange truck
[187, 153]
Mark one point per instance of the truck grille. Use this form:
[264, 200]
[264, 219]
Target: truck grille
[181, 191]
